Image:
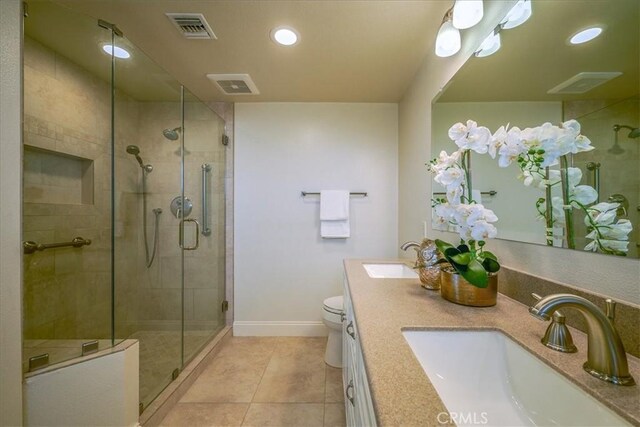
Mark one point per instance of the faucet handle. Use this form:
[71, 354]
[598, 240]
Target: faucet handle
[610, 309]
[557, 315]
[535, 296]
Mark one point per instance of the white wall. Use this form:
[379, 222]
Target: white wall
[283, 269]
[515, 204]
[102, 391]
[607, 275]
[10, 212]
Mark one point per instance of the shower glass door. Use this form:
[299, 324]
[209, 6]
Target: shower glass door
[168, 270]
[203, 160]
[147, 178]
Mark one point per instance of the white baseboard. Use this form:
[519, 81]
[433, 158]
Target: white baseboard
[301, 328]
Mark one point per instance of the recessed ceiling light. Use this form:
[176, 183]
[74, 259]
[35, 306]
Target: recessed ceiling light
[585, 35]
[285, 36]
[116, 51]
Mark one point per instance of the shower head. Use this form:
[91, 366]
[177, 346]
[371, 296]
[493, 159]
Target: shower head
[172, 134]
[635, 132]
[135, 151]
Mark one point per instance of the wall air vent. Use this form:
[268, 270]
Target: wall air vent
[192, 25]
[584, 82]
[234, 84]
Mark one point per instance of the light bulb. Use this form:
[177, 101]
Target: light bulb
[517, 15]
[285, 36]
[448, 40]
[116, 51]
[489, 46]
[585, 35]
[467, 13]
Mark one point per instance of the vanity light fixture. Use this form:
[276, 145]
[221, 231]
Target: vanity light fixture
[585, 35]
[517, 15]
[116, 51]
[448, 39]
[285, 36]
[489, 45]
[467, 13]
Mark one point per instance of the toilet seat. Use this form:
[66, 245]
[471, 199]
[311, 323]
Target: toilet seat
[334, 305]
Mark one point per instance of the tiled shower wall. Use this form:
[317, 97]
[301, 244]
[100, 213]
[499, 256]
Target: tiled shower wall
[619, 173]
[67, 292]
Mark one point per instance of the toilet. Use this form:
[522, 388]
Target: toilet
[332, 310]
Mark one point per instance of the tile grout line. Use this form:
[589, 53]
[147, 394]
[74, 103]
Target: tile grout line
[259, 382]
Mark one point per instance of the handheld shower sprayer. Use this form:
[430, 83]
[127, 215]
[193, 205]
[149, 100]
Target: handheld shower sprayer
[135, 151]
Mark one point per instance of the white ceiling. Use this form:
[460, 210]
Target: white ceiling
[349, 51]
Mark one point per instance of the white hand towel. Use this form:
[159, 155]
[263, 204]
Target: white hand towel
[334, 214]
[334, 205]
[335, 229]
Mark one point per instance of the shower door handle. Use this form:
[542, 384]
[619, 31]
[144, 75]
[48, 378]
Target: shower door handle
[181, 234]
[206, 230]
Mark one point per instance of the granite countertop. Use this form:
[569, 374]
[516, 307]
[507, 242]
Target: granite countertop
[401, 391]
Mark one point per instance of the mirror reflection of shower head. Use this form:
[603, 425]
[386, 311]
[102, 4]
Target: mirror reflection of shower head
[135, 151]
[635, 132]
[172, 134]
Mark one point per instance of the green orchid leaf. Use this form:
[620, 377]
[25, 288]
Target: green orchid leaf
[491, 265]
[459, 267]
[487, 254]
[476, 274]
[449, 252]
[463, 258]
[442, 245]
[463, 248]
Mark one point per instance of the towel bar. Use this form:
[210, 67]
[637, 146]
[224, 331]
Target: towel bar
[310, 193]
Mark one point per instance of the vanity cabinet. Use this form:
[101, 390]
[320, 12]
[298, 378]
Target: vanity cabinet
[358, 405]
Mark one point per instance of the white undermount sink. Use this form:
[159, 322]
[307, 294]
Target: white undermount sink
[390, 271]
[485, 377]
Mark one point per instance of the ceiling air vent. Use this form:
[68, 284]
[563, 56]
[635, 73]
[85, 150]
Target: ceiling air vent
[584, 82]
[234, 84]
[192, 25]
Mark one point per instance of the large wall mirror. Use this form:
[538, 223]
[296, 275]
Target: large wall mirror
[539, 76]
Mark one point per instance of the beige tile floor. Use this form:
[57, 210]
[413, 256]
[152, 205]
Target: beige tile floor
[264, 381]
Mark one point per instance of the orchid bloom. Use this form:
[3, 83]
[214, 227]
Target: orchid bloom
[470, 137]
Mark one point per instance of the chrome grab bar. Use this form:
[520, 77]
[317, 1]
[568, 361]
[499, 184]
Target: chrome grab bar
[30, 247]
[206, 230]
[181, 234]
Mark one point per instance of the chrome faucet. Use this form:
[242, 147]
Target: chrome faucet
[410, 244]
[606, 358]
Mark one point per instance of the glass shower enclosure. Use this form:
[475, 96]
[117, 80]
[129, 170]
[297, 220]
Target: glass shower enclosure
[123, 201]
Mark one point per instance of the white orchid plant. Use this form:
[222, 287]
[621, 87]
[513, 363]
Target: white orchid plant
[472, 220]
[536, 150]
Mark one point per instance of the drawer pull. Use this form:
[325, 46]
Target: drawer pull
[350, 396]
[350, 330]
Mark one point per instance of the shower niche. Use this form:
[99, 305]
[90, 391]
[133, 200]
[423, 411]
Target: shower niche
[56, 178]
